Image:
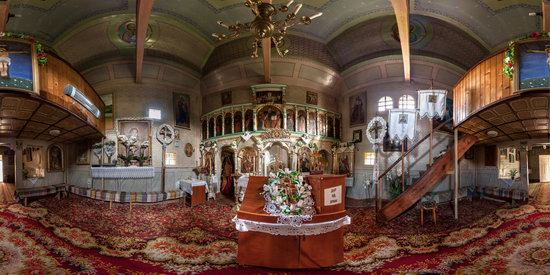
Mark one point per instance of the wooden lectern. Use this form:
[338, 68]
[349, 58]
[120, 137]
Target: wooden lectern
[279, 251]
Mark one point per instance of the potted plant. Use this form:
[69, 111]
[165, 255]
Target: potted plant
[513, 173]
[129, 144]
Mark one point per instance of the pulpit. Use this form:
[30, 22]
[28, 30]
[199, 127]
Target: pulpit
[314, 244]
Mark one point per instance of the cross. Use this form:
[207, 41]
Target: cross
[377, 127]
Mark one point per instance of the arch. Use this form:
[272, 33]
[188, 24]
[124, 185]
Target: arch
[249, 121]
[238, 122]
[204, 129]
[7, 166]
[228, 168]
[277, 156]
[211, 127]
[290, 120]
[269, 117]
[55, 158]
[219, 125]
[385, 103]
[301, 121]
[312, 123]
[247, 160]
[322, 161]
[407, 102]
[304, 159]
[228, 124]
[330, 127]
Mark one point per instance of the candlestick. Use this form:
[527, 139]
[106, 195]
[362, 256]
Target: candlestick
[316, 15]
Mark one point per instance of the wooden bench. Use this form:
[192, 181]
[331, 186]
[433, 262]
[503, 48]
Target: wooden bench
[24, 193]
[501, 193]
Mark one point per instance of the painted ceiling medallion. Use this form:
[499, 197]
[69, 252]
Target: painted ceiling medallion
[265, 27]
[127, 32]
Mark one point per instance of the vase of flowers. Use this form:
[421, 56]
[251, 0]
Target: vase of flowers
[98, 149]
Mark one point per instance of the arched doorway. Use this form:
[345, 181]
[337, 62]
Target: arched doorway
[7, 174]
[227, 186]
[277, 157]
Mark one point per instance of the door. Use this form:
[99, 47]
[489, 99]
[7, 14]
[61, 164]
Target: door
[544, 168]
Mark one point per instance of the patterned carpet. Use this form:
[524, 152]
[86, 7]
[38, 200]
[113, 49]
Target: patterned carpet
[78, 235]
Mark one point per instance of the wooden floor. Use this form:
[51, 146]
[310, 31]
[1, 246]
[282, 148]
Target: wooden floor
[540, 193]
[7, 192]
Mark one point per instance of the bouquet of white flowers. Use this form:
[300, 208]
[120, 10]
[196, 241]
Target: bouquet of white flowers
[288, 197]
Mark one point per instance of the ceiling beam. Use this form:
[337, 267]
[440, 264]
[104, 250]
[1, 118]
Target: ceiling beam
[401, 9]
[4, 12]
[266, 48]
[143, 12]
[545, 15]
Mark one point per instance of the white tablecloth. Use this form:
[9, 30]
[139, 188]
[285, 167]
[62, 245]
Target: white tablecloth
[349, 182]
[306, 229]
[123, 172]
[187, 185]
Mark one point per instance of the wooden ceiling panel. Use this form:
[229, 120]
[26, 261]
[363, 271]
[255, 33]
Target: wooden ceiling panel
[12, 124]
[519, 105]
[70, 123]
[523, 116]
[84, 131]
[68, 135]
[49, 114]
[25, 134]
[36, 127]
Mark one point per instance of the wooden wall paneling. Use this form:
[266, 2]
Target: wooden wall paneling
[500, 80]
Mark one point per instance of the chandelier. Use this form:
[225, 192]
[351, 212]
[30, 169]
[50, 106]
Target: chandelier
[263, 26]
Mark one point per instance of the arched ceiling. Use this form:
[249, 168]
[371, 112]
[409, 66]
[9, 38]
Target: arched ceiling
[82, 30]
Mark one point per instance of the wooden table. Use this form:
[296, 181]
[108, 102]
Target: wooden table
[259, 248]
[195, 188]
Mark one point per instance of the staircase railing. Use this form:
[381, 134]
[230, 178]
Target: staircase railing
[400, 159]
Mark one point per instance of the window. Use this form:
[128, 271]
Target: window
[369, 158]
[508, 163]
[407, 102]
[385, 103]
[154, 114]
[171, 159]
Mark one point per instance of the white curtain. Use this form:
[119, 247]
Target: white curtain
[402, 123]
[544, 166]
[432, 103]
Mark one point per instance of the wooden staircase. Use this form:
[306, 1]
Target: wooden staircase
[426, 182]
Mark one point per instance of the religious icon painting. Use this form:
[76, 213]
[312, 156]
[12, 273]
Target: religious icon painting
[18, 66]
[189, 150]
[357, 107]
[432, 98]
[403, 118]
[226, 98]
[182, 110]
[357, 136]
[55, 159]
[311, 98]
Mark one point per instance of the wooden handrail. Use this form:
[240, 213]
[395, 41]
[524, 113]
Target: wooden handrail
[413, 147]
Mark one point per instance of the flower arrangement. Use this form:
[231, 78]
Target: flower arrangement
[288, 197]
[109, 149]
[97, 148]
[40, 54]
[508, 68]
[129, 142]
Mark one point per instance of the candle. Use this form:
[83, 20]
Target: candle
[289, 3]
[316, 15]
[223, 25]
[298, 7]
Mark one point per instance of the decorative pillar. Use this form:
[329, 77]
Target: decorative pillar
[233, 122]
[243, 127]
[284, 118]
[207, 128]
[254, 123]
[457, 177]
[223, 123]
[215, 122]
[307, 121]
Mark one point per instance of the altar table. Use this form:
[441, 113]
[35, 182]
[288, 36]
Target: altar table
[196, 188]
[264, 242]
[119, 173]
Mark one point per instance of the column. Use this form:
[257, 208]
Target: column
[307, 121]
[207, 127]
[254, 124]
[457, 176]
[233, 122]
[284, 118]
[223, 123]
[242, 120]
[215, 122]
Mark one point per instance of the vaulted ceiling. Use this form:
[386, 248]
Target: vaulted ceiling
[85, 31]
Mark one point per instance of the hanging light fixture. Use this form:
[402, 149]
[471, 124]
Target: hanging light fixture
[263, 25]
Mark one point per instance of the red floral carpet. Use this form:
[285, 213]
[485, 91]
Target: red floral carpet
[78, 235]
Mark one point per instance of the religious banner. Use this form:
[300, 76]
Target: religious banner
[402, 123]
[432, 103]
